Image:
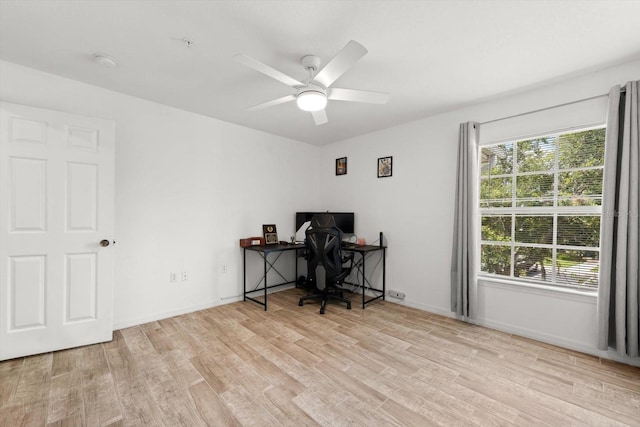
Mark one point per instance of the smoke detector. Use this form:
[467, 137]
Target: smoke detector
[105, 61]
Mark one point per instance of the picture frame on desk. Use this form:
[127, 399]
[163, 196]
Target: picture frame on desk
[341, 166]
[270, 234]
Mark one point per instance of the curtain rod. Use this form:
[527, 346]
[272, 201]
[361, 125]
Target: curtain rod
[622, 89]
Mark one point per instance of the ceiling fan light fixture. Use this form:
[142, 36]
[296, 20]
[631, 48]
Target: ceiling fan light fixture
[311, 100]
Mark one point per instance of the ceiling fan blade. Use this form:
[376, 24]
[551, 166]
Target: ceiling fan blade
[349, 55]
[354, 95]
[272, 103]
[320, 117]
[265, 69]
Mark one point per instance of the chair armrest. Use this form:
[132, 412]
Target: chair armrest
[348, 257]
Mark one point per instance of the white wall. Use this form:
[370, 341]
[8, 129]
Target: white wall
[414, 208]
[187, 188]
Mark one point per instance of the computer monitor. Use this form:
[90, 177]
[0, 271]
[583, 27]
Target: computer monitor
[345, 221]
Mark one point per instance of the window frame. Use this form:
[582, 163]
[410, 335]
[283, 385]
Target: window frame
[513, 211]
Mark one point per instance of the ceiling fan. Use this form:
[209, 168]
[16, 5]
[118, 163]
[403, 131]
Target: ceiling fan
[312, 93]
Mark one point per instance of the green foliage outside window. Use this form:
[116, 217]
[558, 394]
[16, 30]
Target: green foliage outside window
[539, 203]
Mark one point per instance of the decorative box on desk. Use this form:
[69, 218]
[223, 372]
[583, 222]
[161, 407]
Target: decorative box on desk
[264, 251]
[252, 241]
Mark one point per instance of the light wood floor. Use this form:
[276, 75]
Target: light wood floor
[386, 365]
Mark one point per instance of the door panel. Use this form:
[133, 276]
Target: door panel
[82, 196]
[82, 138]
[81, 286]
[56, 205]
[28, 194]
[27, 131]
[27, 292]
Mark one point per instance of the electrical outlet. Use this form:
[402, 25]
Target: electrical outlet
[184, 276]
[172, 278]
[224, 268]
[396, 294]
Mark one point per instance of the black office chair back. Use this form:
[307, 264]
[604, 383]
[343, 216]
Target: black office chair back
[323, 244]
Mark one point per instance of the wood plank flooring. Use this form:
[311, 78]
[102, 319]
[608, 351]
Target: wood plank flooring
[388, 365]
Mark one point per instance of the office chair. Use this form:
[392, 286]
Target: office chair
[325, 263]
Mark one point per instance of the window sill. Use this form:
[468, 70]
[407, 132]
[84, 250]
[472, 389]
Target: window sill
[538, 289]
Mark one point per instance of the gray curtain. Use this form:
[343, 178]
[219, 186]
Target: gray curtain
[618, 296]
[464, 258]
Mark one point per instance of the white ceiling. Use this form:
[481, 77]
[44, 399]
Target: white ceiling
[432, 56]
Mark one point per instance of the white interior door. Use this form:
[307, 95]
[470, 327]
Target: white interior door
[56, 206]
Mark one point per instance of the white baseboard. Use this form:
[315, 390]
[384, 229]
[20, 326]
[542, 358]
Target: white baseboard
[428, 308]
[556, 340]
[172, 313]
[529, 333]
[499, 326]
[185, 310]
[533, 334]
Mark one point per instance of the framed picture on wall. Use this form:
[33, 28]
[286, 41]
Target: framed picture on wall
[385, 166]
[270, 234]
[341, 166]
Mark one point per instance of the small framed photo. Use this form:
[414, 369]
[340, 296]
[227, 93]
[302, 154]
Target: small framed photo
[341, 166]
[270, 234]
[385, 166]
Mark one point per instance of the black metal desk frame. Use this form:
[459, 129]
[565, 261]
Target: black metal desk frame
[264, 252]
[364, 252]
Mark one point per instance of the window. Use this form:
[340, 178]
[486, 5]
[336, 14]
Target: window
[540, 208]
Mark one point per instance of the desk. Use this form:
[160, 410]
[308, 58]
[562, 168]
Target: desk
[264, 252]
[365, 251]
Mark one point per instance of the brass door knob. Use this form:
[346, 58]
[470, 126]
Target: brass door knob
[104, 243]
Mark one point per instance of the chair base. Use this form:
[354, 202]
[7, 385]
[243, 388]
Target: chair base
[324, 297]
